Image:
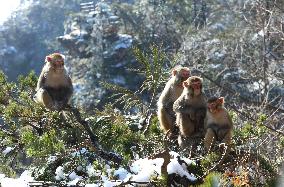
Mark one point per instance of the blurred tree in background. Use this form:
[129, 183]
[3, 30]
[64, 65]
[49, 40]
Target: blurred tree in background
[30, 34]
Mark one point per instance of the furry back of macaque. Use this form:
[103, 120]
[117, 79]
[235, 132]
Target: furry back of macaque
[54, 86]
[171, 92]
[218, 123]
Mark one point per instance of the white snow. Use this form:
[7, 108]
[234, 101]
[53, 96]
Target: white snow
[141, 170]
[80, 152]
[74, 176]
[90, 170]
[121, 173]
[175, 167]
[214, 66]
[125, 41]
[257, 35]
[7, 150]
[59, 173]
[51, 159]
[22, 181]
[145, 168]
[73, 182]
[119, 80]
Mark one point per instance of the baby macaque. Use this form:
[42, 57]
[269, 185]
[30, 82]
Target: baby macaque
[218, 123]
[171, 92]
[54, 86]
[190, 108]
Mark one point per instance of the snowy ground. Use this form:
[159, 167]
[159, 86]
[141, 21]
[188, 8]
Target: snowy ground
[141, 170]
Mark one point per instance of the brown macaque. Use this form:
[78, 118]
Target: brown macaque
[190, 108]
[171, 92]
[218, 123]
[54, 87]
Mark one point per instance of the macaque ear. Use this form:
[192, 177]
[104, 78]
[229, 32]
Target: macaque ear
[48, 59]
[63, 56]
[174, 72]
[221, 100]
[209, 105]
[185, 84]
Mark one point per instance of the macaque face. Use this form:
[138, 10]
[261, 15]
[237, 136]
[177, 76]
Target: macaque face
[184, 74]
[215, 105]
[180, 74]
[196, 84]
[56, 62]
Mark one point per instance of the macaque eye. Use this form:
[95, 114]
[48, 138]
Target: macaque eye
[221, 100]
[214, 105]
[211, 105]
[59, 62]
[185, 74]
[196, 82]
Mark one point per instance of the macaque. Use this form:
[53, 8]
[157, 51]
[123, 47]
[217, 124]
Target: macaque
[54, 87]
[218, 123]
[171, 92]
[190, 108]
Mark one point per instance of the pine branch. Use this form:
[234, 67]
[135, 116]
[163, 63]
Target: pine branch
[94, 139]
[124, 96]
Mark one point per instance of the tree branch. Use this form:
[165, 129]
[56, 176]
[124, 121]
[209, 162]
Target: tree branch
[94, 139]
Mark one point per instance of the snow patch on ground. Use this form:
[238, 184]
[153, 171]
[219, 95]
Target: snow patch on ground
[141, 170]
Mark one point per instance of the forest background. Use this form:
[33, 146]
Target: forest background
[119, 55]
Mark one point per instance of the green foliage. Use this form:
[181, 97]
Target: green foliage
[266, 165]
[160, 181]
[152, 68]
[6, 89]
[125, 97]
[121, 134]
[210, 159]
[42, 146]
[27, 83]
[251, 130]
[211, 180]
[7, 170]
[29, 128]
[281, 142]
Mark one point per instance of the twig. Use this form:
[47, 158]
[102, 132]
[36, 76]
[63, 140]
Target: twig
[148, 122]
[130, 182]
[167, 159]
[217, 164]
